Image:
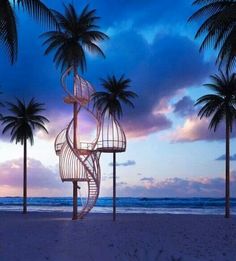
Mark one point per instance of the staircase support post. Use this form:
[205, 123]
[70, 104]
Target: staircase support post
[75, 200]
[114, 186]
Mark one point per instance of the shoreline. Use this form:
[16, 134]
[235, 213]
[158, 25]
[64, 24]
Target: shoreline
[54, 236]
[51, 213]
[198, 206]
[121, 211]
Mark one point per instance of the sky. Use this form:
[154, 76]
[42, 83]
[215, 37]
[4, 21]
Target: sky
[170, 152]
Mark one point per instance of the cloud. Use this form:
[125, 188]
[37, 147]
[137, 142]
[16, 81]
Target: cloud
[121, 183]
[107, 177]
[42, 181]
[143, 15]
[184, 107]
[142, 126]
[60, 119]
[179, 187]
[195, 129]
[158, 69]
[147, 179]
[148, 182]
[124, 164]
[222, 157]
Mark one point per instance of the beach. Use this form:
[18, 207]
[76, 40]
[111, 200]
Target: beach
[54, 236]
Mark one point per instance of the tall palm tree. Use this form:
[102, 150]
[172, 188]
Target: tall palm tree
[21, 123]
[218, 28]
[8, 25]
[109, 101]
[76, 33]
[221, 107]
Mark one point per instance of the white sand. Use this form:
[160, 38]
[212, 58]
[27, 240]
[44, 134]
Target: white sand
[47, 236]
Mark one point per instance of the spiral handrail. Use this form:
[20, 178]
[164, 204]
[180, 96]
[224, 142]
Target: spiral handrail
[79, 161]
[80, 164]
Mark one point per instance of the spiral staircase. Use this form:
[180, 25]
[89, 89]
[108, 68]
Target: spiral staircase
[79, 160]
[80, 163]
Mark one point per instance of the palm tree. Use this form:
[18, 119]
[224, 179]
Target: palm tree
[109, 101]
[221, 106]
[218, 28]
[76, 33]
[22, 122]
[8, 25]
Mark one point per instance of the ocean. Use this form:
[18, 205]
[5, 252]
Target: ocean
[205, 206]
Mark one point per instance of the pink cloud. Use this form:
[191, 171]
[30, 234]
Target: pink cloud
[195, 129]
[138, 126]
[179, 187]
[143, 126]
[59, 120]
[42, 181]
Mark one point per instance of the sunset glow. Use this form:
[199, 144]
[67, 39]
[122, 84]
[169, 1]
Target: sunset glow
[170, 152]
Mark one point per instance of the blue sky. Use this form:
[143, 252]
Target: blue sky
[170, 151]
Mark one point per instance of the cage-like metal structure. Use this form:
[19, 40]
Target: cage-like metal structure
[112, 137]
[80, 162]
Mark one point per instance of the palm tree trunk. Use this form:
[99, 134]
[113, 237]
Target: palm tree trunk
[25, 177]
[75, 200]
[227, 169]
[75, 183]
[75, 108]
[114, 186]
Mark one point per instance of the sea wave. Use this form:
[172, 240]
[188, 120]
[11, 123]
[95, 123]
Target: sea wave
[124, 205]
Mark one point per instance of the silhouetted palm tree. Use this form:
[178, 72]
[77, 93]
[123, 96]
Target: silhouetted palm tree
[8, 25]
[109, 101]
[22, 122]
[221, 106]
[218, 28]
[76, 33]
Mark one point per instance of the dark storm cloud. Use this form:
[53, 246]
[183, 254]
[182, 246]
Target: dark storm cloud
[184, 107]
[158, 69]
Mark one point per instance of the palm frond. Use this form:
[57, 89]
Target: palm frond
[109, 101]
[77, 33]
[8, 30]
[219, 115]
[222, 104]
[218, 29]
[39, 11]
[23, 120]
